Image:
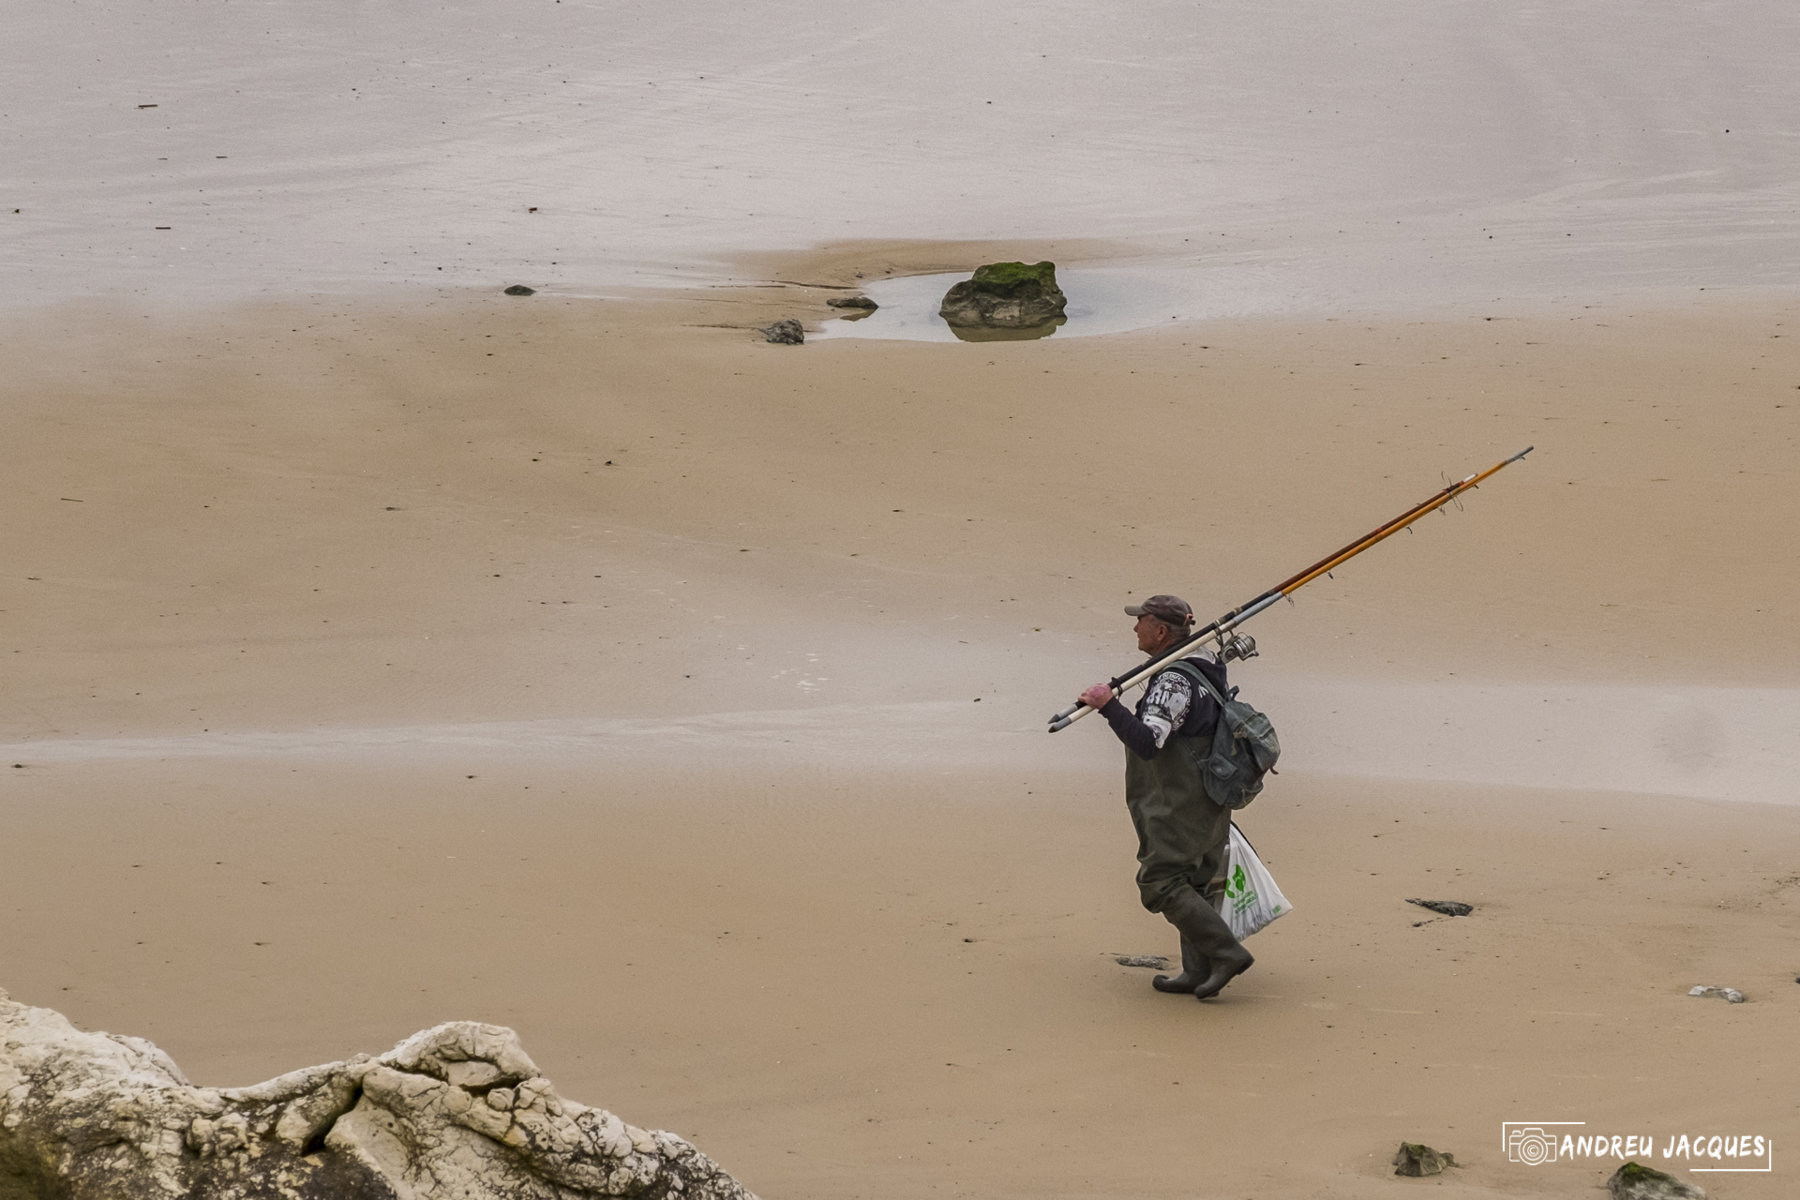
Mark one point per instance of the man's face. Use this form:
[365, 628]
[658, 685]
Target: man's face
[1152, 634]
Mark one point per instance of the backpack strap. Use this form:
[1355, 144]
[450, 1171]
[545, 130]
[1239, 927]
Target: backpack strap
[1199, 676]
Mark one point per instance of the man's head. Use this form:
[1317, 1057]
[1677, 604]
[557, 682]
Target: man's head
[1162, 621]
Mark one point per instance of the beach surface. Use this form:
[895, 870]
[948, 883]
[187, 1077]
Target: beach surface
[1331, 156]
[382, 650]
[677, 699]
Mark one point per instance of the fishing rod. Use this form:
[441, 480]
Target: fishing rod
[1237, 645]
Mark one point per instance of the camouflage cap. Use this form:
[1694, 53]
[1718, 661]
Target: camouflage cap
[1172, 609]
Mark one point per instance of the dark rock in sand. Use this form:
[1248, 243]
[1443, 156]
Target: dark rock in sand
[1634, 1181]
[1416, 1158]
[862, 302]
[785, 332]
[1009, 295]
[519, 289]
[1450, 908]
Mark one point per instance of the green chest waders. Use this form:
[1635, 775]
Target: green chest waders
[1181, 849]
[1181, 831]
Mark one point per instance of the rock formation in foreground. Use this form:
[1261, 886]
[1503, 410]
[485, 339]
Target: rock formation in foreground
[1010, 295]
[458, 1111]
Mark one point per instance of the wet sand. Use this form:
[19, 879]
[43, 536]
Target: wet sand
[597, 669]
[1332, 156]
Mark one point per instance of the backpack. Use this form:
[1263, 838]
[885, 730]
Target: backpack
[1244, 747]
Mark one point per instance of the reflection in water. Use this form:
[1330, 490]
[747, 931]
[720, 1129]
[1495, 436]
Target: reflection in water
[986, 333]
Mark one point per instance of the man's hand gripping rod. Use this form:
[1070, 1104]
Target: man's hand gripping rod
[1236, 647]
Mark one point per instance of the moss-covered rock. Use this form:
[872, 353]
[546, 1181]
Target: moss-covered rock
[1007, 295]
[1010, 275]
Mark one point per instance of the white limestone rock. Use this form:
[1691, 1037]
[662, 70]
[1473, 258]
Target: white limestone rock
[1728, 994]
[458, 1112]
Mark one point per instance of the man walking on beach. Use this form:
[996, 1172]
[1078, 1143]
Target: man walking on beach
[1181, 831]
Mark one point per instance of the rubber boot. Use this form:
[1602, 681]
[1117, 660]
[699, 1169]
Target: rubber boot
[1200, 923]
[1194, 970]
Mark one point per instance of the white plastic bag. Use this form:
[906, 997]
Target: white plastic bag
[1250, 899]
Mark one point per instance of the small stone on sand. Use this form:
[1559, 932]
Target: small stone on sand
[1155, 962]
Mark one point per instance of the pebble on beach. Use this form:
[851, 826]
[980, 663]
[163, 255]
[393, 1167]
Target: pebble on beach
[1634, 1181]
[1155, 962]
[519, 289]
[1417, 1159]
[785, 332]
[1727, 994]
[1450, 908]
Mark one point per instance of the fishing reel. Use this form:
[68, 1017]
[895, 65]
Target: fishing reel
[1238, 645]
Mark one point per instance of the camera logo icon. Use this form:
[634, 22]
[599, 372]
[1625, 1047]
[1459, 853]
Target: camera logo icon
[1530, 1145]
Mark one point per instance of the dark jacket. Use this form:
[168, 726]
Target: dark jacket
[1202, 715]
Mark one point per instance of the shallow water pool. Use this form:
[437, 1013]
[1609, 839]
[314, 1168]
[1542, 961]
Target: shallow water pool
[1102, 300]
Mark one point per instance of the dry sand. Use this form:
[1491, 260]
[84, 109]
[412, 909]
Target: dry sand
[597, 669]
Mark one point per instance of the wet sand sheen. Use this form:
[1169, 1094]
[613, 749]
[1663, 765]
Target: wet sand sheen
[1730, 744]
[1328, 157]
